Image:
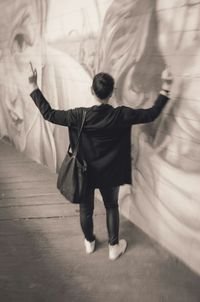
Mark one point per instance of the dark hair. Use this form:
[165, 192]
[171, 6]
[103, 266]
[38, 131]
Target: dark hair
[103, 85]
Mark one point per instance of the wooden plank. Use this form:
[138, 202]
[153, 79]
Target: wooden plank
[30, 200]
[43, 211]
[40, 211]
[13, 160]
[64, 226]
[23, 165]
[47, 183]
[20, 164]
[24, 173]
[25, 179]
[53, 199]
[21, 172]
[28, 192]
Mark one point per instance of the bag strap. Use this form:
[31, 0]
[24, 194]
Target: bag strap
[79, 134]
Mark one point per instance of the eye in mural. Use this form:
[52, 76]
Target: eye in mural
[20, 43]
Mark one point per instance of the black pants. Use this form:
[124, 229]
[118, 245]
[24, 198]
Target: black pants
[110, 199]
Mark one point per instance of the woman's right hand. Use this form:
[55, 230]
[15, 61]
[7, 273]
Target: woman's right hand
[33, 77]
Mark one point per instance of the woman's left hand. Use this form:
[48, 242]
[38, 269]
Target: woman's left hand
[167, 79]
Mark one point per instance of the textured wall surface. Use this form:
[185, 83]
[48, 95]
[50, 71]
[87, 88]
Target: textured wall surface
[63, 79]
[68, 43]
[138, 39]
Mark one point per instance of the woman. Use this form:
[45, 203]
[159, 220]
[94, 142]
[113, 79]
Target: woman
[105, 145]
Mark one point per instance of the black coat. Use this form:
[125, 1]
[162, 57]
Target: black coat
[105, 141]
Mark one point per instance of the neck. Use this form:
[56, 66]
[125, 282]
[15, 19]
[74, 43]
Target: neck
[103, 101]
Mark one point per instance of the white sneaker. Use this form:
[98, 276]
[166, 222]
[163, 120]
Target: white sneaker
[89, 246]
[117, 250]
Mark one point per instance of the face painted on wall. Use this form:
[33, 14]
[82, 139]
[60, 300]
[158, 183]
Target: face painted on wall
[126, 47]
[63, 81]
[20, 43]
[137, 41]
[179, 43]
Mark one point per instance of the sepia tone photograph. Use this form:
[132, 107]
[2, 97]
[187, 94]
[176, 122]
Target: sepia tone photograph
[99, 150]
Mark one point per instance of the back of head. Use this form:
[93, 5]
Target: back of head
[103, 85]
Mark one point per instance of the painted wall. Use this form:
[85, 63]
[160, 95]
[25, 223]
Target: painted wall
[29, 32]
[138, 39]
[71, 41]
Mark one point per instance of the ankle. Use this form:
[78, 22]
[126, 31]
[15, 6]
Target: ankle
[113, 244]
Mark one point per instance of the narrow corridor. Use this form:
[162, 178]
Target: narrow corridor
[42, 255]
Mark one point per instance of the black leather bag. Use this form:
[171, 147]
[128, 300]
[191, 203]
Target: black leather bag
[72, 177]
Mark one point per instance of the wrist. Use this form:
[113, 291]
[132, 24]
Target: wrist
[34, 86]
[166, 87]
[163, 92]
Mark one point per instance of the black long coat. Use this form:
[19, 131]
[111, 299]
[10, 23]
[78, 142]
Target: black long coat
[105, 140]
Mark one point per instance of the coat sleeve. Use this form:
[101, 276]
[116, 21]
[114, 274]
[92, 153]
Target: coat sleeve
[139, 116]
[60, 117]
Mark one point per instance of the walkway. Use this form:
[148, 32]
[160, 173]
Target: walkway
[42, 257]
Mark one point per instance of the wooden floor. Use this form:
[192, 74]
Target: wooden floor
[42, 256]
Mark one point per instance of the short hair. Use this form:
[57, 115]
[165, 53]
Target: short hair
[103, 85]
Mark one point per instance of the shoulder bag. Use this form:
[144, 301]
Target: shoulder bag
[72, 177]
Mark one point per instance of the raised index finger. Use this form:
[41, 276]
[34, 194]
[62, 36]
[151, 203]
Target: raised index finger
[31, 67]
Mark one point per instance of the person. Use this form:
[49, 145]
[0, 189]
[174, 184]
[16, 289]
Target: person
[105, 146]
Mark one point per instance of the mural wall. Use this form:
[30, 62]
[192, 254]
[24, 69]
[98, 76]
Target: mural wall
[63, 79]
[138, 39]
[134, 41]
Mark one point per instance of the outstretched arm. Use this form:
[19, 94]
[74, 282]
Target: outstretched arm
[60, 117]
[140, 116]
